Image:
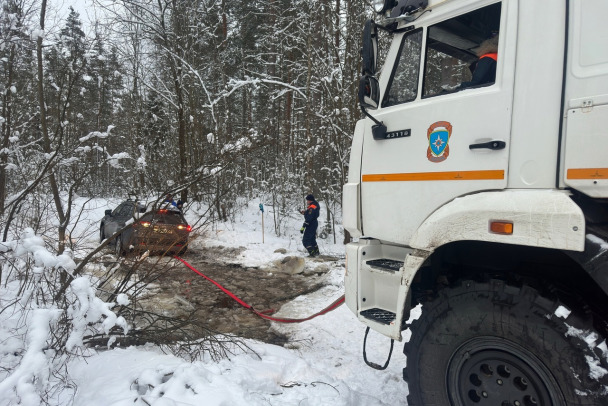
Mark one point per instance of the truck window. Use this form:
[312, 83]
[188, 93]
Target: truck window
[403, 85]
[453, 49]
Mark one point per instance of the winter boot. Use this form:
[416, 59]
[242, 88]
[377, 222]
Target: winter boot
[315, 251]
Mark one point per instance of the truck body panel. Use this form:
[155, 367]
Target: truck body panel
[584, 161]
[535, 135]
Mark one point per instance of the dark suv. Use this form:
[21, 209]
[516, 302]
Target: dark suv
[158, 229]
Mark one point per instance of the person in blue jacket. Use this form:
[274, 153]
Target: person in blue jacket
[169, 199]
[309, 228]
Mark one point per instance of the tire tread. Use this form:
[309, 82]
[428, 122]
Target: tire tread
[513, 301]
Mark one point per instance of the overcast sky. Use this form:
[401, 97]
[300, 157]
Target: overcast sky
[82, 7]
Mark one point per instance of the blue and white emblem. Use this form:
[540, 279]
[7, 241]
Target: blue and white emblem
[439, 134]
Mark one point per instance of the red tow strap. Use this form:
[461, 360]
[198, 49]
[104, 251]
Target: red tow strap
[328, 309]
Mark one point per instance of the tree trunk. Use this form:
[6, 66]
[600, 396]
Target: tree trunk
[46, 138]
[309, 141]
[6, 128]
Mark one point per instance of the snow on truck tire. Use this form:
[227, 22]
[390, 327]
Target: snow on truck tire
[490, 343]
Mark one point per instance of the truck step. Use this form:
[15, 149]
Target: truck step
[385, 264]
[379, 315]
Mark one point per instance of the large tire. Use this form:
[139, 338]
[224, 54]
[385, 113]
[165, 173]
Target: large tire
[489, 343]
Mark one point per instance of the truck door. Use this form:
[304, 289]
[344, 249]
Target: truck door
[446, 136]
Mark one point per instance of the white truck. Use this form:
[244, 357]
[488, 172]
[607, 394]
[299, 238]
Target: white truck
[487, 205]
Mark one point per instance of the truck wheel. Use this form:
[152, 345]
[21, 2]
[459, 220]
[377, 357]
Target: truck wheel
[489, 343]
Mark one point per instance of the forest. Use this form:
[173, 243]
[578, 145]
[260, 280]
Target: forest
[217, 103]
[210, 100]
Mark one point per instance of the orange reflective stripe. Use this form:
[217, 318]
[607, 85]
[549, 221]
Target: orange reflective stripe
[492, 55]
[312, 206]
[430, 176]
[587, 173]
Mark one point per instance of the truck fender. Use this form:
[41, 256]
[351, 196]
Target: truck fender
[594, 259]
[540, 218]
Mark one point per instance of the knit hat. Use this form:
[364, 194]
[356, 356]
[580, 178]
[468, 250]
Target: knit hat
[310, 197]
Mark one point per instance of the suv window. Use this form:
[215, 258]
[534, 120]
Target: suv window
[123, 209]
[126, 210]
[164, 217]
[117, 210]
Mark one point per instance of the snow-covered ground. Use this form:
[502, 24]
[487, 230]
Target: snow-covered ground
[322, 365]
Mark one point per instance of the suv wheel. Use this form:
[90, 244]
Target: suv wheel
[118, 247]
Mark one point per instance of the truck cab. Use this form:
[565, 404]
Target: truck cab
[483, 198]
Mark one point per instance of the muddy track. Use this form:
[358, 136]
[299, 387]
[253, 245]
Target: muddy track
[180, 291]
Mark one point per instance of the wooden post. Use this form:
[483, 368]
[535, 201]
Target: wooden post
[262, 210]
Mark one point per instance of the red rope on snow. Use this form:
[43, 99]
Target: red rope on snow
[262, 314]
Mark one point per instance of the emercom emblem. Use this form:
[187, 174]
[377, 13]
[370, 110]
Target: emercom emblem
[439, 134]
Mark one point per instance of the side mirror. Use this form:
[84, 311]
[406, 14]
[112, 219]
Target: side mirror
[369, 92]
[108, 212]
[382, 6]
[369, 52]
[369, 97]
